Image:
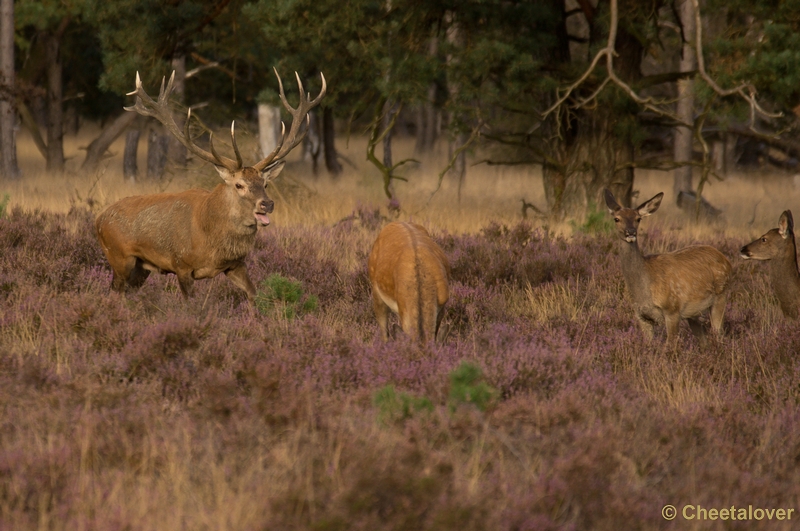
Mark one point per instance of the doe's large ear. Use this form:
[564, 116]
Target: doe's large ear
[611, 203]
[651, 205]
[786, 224]
[272, 171]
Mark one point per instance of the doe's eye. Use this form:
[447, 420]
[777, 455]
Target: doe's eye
[239, 186]
[764, 240]
[616, 220]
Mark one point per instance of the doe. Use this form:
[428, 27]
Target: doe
[666, 288]
[778, 246]
[409, 275]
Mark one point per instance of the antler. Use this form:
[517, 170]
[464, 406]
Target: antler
[299, 115]
[160, 111]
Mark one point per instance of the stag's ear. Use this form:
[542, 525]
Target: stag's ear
[651, 205]
[786, 224]
[225, 173]
[272, 171]
[611, 203]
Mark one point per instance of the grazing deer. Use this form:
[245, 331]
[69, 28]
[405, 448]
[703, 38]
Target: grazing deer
[196, 233]
[409, 275]
[778, 246]
[672, 286]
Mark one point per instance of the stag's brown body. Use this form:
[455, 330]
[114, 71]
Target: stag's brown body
[665, 288]
[409, 274]
[779, 247]
[197, 233]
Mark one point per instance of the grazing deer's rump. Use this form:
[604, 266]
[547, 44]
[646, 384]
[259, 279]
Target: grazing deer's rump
[665, 288]
[196, 234]
[779, 248]
[409, 274]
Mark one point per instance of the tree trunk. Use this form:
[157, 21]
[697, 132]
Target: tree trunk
[312, 144]
[156, 154]
[590, 156]
[100, 145]
[55, 96]
[130, 166]
[427, 115]
[176, 153]
[389, 110]
[8, 115]
[459, 168]
[329, 142]
[269, 127]
[683, 144]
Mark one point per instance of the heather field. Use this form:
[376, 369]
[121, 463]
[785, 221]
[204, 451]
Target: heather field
[542, 409]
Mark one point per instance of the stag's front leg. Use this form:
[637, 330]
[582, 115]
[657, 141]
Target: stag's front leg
[186, 282]
[238, 275]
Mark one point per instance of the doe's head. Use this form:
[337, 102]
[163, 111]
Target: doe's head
[774, 243]
[626, 220]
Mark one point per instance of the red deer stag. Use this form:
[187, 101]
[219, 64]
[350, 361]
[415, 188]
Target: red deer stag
[196, 233]
[409, 275]
[778, 246]
[666, 288]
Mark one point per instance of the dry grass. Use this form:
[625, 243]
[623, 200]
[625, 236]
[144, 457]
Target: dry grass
[751, 202]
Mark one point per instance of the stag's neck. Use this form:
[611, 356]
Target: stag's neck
[786, 280]
[233, 233]
[634, 270]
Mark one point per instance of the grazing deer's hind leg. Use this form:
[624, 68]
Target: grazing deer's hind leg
[381, 314]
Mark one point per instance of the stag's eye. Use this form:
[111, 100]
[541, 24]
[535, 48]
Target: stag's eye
[239, 186]
[616, 220]
[638, 220]
[764, 240]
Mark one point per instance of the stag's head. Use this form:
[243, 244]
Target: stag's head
[245, 185]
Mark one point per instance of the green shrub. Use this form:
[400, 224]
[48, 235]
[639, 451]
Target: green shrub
[285, 296]
[393, 406]
[597, 222]
[467, 387]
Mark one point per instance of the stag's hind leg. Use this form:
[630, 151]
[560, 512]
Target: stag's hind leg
[128, 272]
[138, 274]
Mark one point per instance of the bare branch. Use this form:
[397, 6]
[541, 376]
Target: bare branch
[745, 90]
[660, 107]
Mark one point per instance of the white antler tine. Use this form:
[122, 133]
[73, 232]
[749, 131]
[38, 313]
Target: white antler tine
[300, 86]
[138, 84]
